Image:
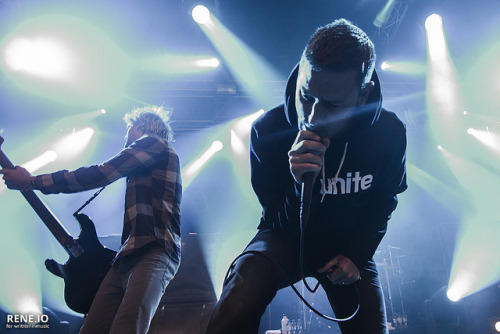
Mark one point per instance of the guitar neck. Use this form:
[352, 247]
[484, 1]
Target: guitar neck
[48, 218]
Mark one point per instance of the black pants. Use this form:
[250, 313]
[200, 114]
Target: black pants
[255, 279]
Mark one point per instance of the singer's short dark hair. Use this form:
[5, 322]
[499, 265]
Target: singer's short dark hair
[341, 45]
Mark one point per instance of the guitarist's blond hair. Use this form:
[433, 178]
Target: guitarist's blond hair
[151, 119]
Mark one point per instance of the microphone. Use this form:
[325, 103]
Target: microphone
[305, 198]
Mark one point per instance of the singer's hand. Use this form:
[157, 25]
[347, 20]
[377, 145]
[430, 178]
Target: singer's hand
[306, 154]
[341, 270]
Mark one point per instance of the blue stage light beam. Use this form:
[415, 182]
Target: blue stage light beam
[192, 170]
[443, 91]
[489, 139]
[175, 65]
[384, 14]
[444, 96]
[74, 143]
[40, 161]
[476, 260]
[410, 68]
[250, 69]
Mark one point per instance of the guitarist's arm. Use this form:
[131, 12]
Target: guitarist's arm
[140, 155]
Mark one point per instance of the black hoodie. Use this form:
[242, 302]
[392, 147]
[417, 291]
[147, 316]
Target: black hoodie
[351, 210]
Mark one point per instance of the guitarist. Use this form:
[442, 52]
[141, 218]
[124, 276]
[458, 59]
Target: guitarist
[150, 252]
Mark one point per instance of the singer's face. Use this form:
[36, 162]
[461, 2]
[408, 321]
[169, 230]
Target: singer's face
[326, 101]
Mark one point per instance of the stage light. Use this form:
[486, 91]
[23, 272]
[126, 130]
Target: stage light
[201, 14]
[210, 62]
[240, 133]
[497, 326]
[63, 58]
[453, 295]
[39, 56]
[103, 111]
[74, 143]
[40, 161]
[404, 67]
[193, 169]
[485, 137]
[384, 14]
[170, 64]
[237, 144]
[435, 37]
[444, 96]
[433, 21]
[243, 125]
[217, 146]
[29, 305]
[250, 69]
[477, 251]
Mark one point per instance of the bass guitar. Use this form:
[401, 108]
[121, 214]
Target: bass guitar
[89, 260]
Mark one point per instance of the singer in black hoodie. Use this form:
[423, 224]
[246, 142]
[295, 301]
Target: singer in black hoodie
[331, 141]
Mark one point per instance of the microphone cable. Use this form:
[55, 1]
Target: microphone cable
[290, 283]
[305, 205]
[306, 196]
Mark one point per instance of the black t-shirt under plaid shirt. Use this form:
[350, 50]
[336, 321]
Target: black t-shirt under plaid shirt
[153, 194]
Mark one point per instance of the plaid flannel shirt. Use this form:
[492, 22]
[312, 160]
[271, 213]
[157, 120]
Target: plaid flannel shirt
[153, 194]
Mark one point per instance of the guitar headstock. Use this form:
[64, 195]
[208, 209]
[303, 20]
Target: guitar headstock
[4, 161]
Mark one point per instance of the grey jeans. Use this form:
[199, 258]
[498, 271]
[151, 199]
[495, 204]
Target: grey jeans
[130, 293]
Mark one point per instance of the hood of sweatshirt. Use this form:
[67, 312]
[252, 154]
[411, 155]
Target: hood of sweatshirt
[364, 117]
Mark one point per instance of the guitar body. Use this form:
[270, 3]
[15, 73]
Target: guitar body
[89, 260]
[83, 274]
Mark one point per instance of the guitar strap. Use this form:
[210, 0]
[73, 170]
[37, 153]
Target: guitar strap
[88, 202]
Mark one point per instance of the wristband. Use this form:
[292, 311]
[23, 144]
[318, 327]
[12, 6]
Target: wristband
[31, 185]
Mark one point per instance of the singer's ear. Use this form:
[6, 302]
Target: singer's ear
[365, 93]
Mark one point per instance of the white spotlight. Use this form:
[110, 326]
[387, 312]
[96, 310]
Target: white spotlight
[217, 146]
[237, 144]
[497, 326]
[201, 14]
[207, 63]
[42, 56]
[453, 294]
[74, 143]
[435, 37]
[193, 169]
[433, 22]
[40, 161]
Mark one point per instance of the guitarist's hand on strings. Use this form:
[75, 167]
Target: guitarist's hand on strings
[341, 270]
[18, 178]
